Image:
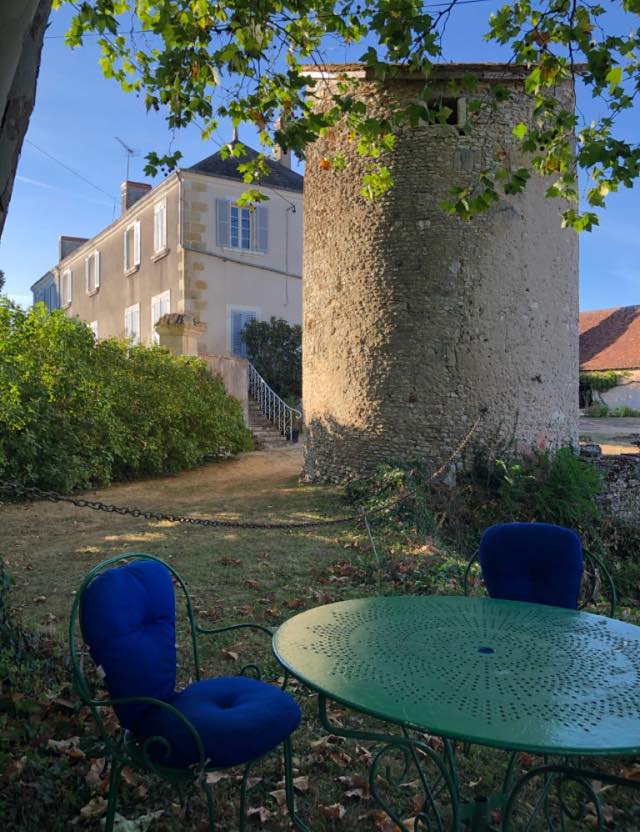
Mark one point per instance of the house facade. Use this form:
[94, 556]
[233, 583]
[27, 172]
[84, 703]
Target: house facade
[45, 290]
[610, 341]
[186, 247]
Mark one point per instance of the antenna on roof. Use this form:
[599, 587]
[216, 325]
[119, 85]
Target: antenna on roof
[130, 152]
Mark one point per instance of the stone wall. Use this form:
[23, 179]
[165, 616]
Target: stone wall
[416, 324]
[621, 493]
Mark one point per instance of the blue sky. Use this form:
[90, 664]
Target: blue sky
[78, 114]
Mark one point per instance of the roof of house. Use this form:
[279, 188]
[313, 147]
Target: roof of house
[610, 339]
[280, 176]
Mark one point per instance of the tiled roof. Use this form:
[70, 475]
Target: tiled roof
[279, 177]
[610, 339]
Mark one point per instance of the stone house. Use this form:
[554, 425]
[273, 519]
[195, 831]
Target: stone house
[420, 330]
[610, 340]
[186, 249]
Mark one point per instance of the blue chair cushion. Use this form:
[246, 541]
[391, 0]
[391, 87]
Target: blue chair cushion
[237, 718]
[128, 620]
[536, 562]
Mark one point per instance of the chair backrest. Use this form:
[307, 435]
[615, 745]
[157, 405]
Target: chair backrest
[128, 621]
[535, 562]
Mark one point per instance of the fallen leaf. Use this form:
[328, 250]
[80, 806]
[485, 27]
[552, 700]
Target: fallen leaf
[16, 767]
[301, 784]
[94, 808]
[252, 584]
[280, 796]
[334, 812]
[94, 775]
[139, 824]
[229, 654]
[214, 777]
[261, 813]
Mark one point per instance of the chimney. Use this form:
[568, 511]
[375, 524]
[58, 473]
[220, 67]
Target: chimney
[68, 244]
[132, 192]
[279, 154]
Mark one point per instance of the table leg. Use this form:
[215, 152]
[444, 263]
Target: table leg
[558, 815]
[415, 754]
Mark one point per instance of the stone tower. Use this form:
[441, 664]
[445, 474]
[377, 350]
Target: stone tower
[418, 324]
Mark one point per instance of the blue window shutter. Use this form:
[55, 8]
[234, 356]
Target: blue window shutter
[262, 228]
[222, 222]
[237, 344]
[238, 322]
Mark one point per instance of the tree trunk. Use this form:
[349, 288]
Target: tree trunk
[22, 27]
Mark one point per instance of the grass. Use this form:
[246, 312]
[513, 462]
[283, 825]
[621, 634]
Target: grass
[51, 768]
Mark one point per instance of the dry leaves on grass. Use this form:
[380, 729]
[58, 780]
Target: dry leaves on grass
[334, 812]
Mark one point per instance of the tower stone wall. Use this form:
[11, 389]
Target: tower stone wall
[418, 325]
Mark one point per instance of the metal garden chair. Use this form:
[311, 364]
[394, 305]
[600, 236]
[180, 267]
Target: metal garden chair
[540, 563]
[126, 611]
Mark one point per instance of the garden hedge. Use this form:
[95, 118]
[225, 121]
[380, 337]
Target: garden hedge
[75, 412]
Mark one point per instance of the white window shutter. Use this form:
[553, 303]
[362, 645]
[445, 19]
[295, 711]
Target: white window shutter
[222, 222]
[96, 270]
[136, 330]
[163, 225]
[262, 228]
[136, 243]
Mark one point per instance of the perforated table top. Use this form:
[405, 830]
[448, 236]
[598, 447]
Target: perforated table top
[500, 673]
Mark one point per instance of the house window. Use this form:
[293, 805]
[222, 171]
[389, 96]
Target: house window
[132, 246]
[159, 226]
[93, 326]
[243, 228]
[132, 323]
[238, 319]
[160, 305]
[92, 272]
[65, 288]
[446, 110]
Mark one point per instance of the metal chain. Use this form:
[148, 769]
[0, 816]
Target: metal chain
[33, 491]
[97, 505]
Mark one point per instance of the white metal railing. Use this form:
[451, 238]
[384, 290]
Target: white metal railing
[272, 406]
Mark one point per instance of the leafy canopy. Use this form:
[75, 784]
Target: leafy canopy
[202, 60]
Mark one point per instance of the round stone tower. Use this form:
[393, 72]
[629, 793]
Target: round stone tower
[417, 325]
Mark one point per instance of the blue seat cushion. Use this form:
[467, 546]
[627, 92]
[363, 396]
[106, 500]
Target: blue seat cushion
[128, 620]
[536, 562]
[237, 719]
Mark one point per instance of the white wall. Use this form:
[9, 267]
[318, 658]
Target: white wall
[219, 279]
[625, 394]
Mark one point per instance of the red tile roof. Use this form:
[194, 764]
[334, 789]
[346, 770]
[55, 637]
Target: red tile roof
[610, 339]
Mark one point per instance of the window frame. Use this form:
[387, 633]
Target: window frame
[95, 256]
[166, 295]
[93, 326]
[128, 310]
[66, 287]
[258, 226]
[160, 207]
[136, 245]
[231, 308]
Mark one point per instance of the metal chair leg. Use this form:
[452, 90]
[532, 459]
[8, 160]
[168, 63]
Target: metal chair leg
[288, 781]
[211, 808]
[112, 797]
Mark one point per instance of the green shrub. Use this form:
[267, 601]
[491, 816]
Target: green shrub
[74, 412]
[601, 380]
[275, 350]
[551, 487]
[598, 410]
[624, 411]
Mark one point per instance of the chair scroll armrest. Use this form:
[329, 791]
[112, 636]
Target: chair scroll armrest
[465, 580]
[599, 564]
[148, 700]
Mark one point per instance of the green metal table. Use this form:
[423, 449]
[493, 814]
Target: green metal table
[498, 673]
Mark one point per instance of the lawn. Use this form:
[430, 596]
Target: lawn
[52, 775]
